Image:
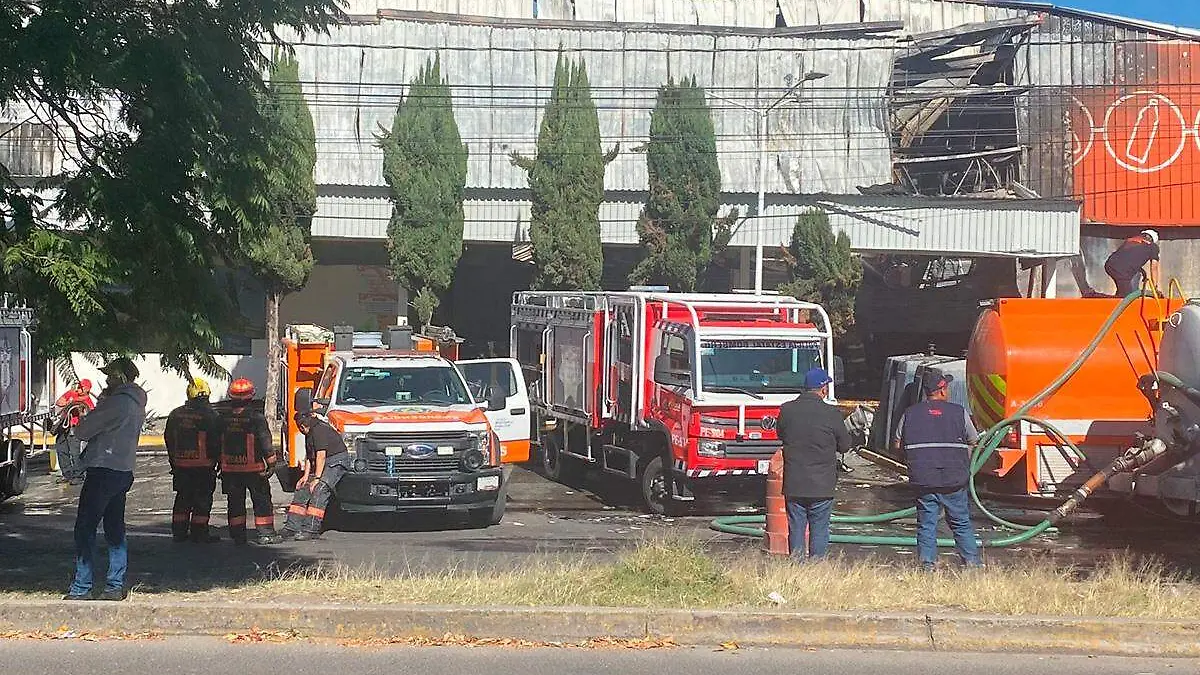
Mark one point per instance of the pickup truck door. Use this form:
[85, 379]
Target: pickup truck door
[512, 424]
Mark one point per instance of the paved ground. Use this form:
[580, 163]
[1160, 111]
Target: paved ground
[206, 656]
[544, 519]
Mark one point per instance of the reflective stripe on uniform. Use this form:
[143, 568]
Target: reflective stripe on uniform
[918, 446]
[235, 521]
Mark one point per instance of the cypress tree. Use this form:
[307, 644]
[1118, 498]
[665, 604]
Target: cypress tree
[566, 178]
[278, 252]
[823, 270]
[425, 166]
[676, 226]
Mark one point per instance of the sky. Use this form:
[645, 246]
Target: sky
[1175, 12]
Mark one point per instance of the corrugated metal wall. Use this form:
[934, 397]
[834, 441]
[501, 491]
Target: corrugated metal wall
[832, 139]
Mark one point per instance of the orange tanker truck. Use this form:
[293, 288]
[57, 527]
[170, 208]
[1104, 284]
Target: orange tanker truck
[420, 434]
[1110, 406]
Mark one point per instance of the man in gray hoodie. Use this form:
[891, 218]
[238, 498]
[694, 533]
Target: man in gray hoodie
[112, 432]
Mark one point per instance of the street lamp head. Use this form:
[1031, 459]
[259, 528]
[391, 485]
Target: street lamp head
[813, 75]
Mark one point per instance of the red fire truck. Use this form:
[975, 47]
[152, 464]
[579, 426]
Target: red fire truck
[678, 392]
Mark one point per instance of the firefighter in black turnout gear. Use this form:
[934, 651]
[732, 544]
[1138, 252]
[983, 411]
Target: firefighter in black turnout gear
[326, 461]
[247, 460]
[193, 448]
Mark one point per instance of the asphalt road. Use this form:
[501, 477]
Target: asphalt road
[597, 518]
[179, 656]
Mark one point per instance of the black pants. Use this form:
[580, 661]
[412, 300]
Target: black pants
[193, 502]
[69, 450]
[1126, 284]
[307, 511]
[235, 486]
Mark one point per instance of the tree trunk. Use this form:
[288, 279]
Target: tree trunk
[273, 360]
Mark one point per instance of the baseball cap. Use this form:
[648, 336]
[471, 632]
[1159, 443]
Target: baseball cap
[816, 378]
[123, 368]
[932, 380]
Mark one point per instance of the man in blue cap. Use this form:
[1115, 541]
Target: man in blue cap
[814, 440]
[936, 436]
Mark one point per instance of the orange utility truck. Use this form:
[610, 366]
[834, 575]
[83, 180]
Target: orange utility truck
[419, 435]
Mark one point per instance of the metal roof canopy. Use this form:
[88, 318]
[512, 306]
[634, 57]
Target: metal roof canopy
[1025, 228]
[1006, 228]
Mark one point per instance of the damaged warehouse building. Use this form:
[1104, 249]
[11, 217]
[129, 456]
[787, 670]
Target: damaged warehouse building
[970, 149]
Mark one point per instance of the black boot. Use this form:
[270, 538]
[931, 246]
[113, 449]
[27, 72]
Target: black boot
[201, 535]
[179, 531]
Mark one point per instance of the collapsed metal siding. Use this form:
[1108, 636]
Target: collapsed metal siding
[874, 224]
[501, 76]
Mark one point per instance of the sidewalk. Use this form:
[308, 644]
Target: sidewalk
[939, 632]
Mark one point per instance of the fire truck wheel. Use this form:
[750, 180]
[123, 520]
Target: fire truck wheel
[556, 466]
[655, 489]
[15, 478]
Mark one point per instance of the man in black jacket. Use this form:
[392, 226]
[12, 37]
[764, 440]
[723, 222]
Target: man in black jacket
[814, 440]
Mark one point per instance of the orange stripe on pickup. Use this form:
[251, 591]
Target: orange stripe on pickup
[514, 452]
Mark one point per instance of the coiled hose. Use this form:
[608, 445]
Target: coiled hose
[985, 447]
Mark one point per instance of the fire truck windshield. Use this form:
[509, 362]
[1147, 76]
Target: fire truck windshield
[758, 366]
[387, 386]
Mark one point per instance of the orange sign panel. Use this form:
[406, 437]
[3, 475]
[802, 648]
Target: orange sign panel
[1136, 146]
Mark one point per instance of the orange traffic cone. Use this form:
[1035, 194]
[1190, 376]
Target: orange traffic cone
[775, 541]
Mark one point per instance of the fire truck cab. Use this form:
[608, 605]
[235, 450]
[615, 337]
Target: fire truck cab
[418, 435]
[677, 392]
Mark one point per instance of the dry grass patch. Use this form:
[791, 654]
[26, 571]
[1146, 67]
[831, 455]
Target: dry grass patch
[679, 573]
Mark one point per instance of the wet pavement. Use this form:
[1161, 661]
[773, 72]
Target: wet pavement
[544, 520]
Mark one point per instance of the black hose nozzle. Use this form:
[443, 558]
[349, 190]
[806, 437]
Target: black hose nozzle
[1132, 460]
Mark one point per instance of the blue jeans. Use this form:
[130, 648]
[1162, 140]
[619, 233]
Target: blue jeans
[958, 514]
[811, 515]
[102, 499]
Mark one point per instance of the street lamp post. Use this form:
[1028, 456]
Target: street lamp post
[762, 114]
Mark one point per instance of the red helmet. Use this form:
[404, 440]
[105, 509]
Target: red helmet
[241, 388]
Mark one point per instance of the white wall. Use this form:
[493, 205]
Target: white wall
[167, 390]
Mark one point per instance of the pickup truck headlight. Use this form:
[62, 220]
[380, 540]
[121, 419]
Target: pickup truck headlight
[350, 438]
[707, 448]
[481, 454]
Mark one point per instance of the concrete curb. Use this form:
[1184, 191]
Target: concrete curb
[568, 624]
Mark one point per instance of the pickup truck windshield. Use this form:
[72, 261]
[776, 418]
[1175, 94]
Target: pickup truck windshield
[390, 386]
[758, 366]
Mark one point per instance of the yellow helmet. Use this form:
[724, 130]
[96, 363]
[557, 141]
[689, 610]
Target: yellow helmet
[198, 388]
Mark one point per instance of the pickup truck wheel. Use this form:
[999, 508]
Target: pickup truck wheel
[14, 479]
[483, 518]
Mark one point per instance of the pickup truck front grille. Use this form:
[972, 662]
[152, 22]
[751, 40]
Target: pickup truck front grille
[405, 465]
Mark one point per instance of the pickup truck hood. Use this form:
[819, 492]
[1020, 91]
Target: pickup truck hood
[360, 416]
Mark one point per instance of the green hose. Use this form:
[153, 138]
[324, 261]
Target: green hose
[984, 448]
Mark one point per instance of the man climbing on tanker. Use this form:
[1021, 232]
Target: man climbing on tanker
[814, 441]
[1126, 265]
[191, 437]
[247, 460]
[936, 436]
[326, 461]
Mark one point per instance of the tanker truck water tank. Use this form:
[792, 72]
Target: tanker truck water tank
[1180, 354]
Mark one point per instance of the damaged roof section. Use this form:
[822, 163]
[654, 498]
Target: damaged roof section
[953, 109]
